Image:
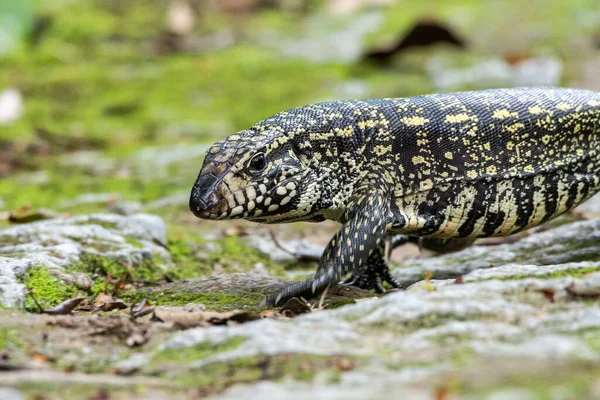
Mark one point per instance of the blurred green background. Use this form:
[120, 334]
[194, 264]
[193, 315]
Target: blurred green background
[106, 102]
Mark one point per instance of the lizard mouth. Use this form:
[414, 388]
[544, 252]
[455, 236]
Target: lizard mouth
[205, 200]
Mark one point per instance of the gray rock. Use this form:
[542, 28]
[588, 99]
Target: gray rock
[592, 206]
[60, 243]
[348, 390]
[540, 71]
[265, 244]
[321, 42]
[10, 393]
[564, 245]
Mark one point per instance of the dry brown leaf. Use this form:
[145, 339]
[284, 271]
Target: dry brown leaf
[38, 357]
[442, 393]
[66, 307]
[118, 285]
[344, 364]
[583, 291]
[295, 306]
[268, 314]
[25, 214]
[144, 308]
[105, 302]
[549, 294]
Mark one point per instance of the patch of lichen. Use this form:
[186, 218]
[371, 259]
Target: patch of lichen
[430, 320]
[216, 376]
[60, 390]
[571, 379]
[194, 353]
[48, 290]
[212, 301]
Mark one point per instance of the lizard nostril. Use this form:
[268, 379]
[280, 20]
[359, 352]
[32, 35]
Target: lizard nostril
[197, 205]
[203, 196]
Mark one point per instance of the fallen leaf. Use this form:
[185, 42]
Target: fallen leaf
[268, 314]
[459, 280]
[296, 307]
[442, 393]
[25, 215]
[516, 57]
[344, 364]
[142, 309]
[105, 302]
[118, 285]
[66, 307]
[583, 291]
[549, 294]
[38, 357]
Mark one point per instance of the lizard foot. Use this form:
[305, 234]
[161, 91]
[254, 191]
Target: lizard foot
[372, 279]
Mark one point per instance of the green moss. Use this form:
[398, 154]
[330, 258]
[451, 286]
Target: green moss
[99, 286]
[214, 377]
[48, 290]
[192, 260]
[148, 271]
[8, 337]
[83, 391]
[196, 352]
[212, 301]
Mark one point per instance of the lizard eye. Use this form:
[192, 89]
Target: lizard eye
[258, 163]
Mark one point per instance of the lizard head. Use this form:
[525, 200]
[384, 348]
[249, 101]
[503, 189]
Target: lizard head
[261, 175]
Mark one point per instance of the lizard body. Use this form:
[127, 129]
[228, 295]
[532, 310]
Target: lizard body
[444, 166]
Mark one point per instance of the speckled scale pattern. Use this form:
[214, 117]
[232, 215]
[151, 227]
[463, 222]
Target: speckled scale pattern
[457, 165]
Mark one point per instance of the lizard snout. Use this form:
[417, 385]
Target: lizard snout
[204, 198]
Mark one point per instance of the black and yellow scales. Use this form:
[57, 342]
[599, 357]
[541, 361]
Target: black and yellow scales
[441, 167]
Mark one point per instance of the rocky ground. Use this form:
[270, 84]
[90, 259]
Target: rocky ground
[497, 320]
[111, 289]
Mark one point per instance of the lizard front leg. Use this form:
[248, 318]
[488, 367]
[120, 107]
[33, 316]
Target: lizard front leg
[350, 248]
[374, 272]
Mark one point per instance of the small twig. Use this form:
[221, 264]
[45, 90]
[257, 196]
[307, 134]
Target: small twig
[279, 246]
[32, 295]
[322, 299]
[117, 285]
[107, 281]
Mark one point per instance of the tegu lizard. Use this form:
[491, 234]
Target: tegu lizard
[455, 166]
